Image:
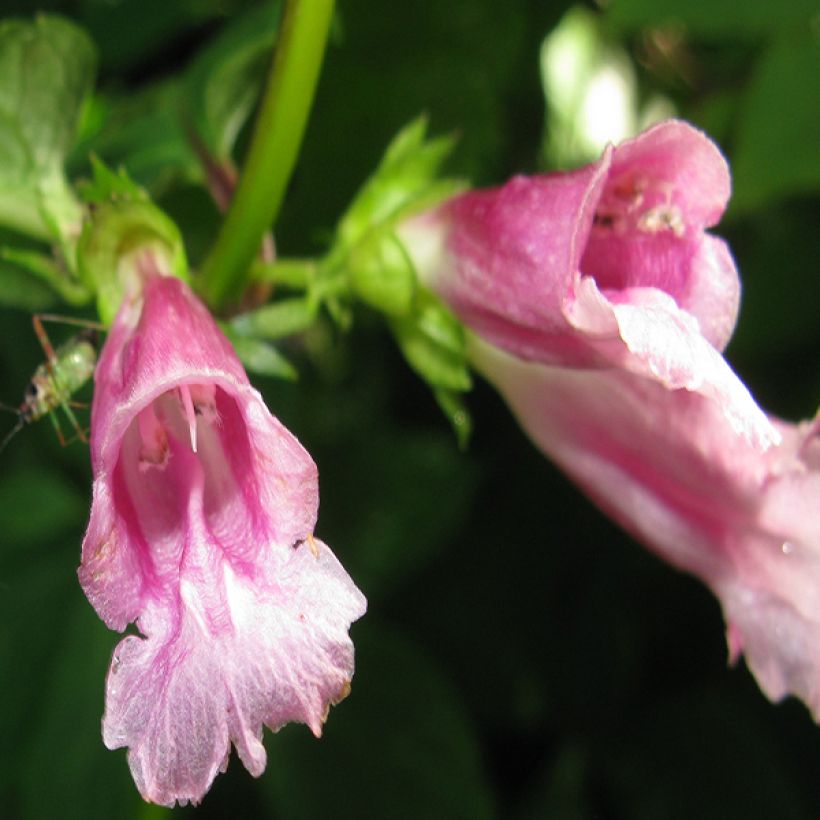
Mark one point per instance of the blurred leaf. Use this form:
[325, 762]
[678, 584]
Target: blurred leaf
[714, 18]
[454, 408]
[778, 141]
[47, 270]
[224, 82]
[18, 289]
[143, 131]
[399, 747]
[107, 185]
[560, 791]
[136, 35]
[652, 773]
[46, 72]
[432, 341]
[277, 319]
[263, 358]
[405, 180]
[382, 274]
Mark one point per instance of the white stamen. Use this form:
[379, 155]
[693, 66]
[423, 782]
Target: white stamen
[190, 413]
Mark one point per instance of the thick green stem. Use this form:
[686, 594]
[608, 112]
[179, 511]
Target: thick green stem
[273, 150]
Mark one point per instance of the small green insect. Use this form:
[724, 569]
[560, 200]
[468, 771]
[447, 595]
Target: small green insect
[66, 369]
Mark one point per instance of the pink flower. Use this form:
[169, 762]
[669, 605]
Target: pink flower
[201, 533]
[599, 307]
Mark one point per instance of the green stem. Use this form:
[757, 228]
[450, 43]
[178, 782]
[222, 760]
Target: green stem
[274, 147]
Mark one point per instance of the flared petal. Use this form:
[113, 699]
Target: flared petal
[179, 697]
[201, 533]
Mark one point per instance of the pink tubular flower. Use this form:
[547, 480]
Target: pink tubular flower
[201, 533]
[599, 306]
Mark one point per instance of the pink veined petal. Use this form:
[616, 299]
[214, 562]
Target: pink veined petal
[179, 698]
[506, 259]
[665, 343]
[599, 306]
[201, 533]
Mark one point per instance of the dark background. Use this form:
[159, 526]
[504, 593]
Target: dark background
[521, 657]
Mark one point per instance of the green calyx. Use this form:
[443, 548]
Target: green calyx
[117, 234]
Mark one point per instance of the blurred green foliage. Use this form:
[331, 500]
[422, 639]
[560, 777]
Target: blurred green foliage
[521, 658]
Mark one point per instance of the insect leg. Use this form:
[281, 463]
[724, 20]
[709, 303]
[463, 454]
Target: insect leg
[57, 429]
[80, 432]
[45, 342]
[58, 318]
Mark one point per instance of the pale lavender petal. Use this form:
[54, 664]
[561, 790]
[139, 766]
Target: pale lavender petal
[201, 532]
[278, 653]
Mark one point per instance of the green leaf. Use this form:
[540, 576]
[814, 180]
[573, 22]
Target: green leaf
[46, 73]
[382, 274]
[277, 319]
[224, 82]
[394, 525]
[47, 270]
[433, 343]
[400, 746]
[90, 780]
[263, 358]
[108, 185]
[20, 290]
[454, 407]
[778, 141]
[402, 183]
[143, 131]
[111, 241]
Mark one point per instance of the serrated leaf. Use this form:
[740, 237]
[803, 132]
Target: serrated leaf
[407, 171]
[107, 184]
[46, 73]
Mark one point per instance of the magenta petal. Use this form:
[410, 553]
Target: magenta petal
[599, 306]
[201, 532]
[511, 261]
[506, 259]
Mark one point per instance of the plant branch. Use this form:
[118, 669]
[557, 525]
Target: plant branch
[273, 150]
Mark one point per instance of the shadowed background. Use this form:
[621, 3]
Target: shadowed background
[521, 657]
